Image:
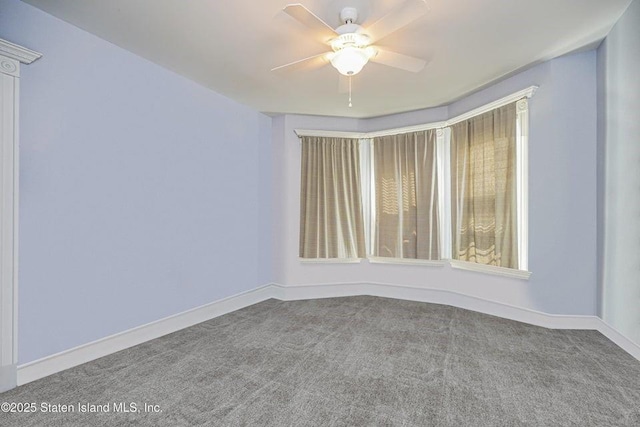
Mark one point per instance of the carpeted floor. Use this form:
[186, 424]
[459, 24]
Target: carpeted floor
[349, 362]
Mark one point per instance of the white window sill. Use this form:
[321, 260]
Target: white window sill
[410, 261]
[457, 264]
[490, 269]
[330, 260]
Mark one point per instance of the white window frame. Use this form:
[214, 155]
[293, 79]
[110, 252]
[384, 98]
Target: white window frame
[443, 138]
[522, 181]
[443, 142]
[368, 193]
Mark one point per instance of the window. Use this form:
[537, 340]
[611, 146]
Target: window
[483, 188]
[331, 220]
[452, 190]
[405, 182]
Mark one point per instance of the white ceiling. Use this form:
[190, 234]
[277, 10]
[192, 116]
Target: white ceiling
[231, 46]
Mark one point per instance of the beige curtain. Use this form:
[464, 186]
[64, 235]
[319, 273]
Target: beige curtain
[406, 196]
[483, 187]
[331, 224]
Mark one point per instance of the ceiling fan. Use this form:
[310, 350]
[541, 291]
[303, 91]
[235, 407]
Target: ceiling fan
[352, 45]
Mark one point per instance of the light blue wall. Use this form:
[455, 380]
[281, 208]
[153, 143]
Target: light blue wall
[142, 194]
[619, 180]
[562, 196]
[562, 180]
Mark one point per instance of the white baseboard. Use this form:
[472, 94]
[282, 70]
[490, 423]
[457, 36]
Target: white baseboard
[87, 352]
[456, 299]
[619, 339]
[436, 296]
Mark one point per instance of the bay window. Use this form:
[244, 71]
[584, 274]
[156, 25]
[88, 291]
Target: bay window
[453, 190]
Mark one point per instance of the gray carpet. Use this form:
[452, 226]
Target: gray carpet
[349, 362]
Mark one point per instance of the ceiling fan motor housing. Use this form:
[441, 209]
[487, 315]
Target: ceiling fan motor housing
[350, 39]
[351, 50]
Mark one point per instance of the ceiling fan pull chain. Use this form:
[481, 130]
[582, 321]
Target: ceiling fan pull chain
[350, 105]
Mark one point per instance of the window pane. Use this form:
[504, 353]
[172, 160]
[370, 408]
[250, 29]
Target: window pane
[331, 224]
[483, 187]
[406, 196]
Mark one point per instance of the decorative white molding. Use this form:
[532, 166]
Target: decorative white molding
[410, 261]
[114, 343]
[368, 135]
[10, 57]
[523, 104]
[18, 53]
[524, 93]
[329, 134]
[9, 111]
[330, 260]
[457, 264]
[490, 269]
[85, 353]
[407, 129]
[9, 66]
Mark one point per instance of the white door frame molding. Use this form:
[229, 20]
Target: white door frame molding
[11, 55]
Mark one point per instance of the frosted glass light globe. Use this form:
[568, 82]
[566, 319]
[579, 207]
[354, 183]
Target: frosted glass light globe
[350, 60]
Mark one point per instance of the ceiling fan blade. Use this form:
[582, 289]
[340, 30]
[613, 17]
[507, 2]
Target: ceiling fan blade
[307, 64]
[323, 31]
[398, 60]
[402, 15]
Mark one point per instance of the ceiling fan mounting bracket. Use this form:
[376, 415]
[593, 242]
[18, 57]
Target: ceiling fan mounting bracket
[349, 15]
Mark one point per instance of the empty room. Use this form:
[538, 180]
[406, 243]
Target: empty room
[320, 213]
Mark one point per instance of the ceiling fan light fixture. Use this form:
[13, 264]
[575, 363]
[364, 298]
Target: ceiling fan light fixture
[350, 60]
[351, 44]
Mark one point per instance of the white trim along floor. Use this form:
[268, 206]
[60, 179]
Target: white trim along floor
[76, 356]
